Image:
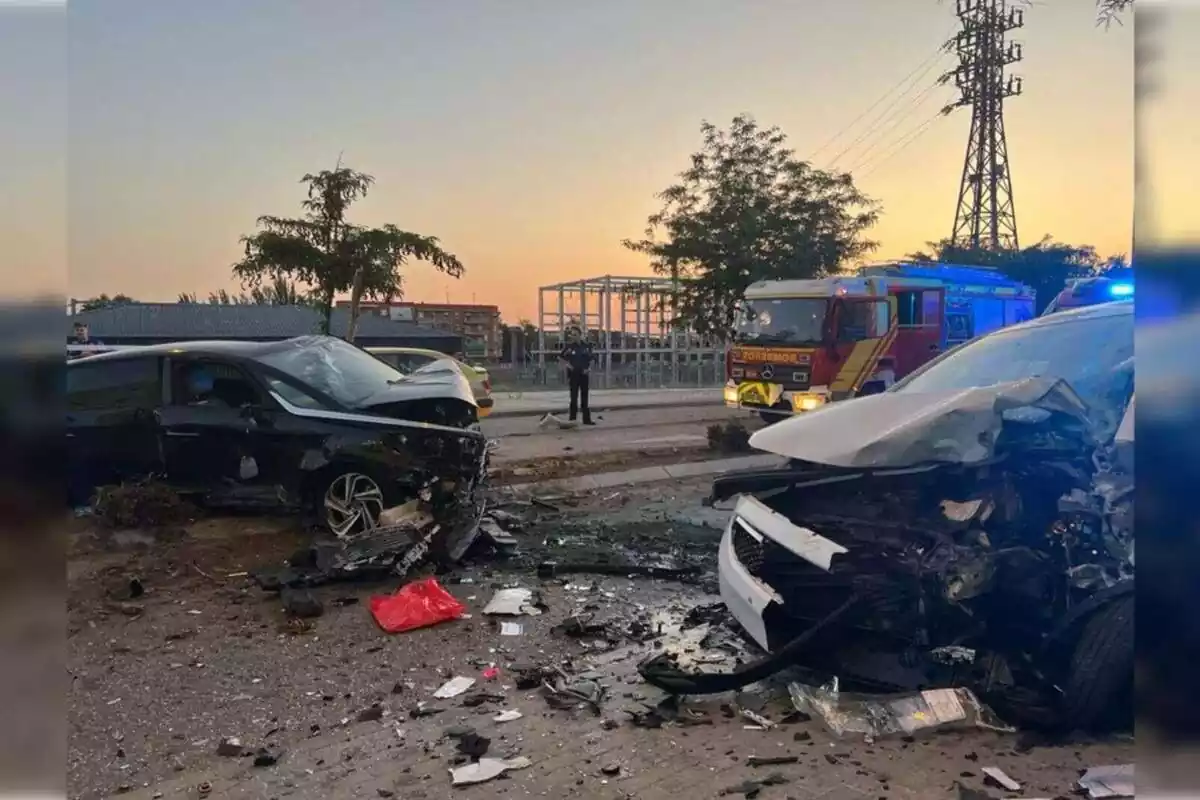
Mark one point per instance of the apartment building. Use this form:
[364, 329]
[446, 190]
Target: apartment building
[478, 325]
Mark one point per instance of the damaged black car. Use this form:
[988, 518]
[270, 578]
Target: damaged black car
[311, 423]
[972, 526]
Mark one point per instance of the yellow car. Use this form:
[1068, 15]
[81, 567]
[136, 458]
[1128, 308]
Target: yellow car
[411, 359]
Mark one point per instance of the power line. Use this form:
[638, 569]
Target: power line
[865, 156]
[880, 118]
[941, 48]
[908, 139]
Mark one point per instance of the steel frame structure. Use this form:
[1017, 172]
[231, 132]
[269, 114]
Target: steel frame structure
[642, 347]
[985, 217]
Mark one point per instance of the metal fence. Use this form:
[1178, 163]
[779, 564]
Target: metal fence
[629, 322]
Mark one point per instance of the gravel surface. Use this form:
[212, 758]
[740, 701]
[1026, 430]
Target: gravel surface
[159, 679]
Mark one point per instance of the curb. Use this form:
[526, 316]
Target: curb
[634, 477]
[498, 409]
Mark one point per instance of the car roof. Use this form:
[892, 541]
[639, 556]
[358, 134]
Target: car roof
[243, 349]
[1115, 308]
[420, 351]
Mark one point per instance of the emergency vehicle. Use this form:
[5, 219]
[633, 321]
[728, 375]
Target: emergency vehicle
[802, 343]
[1089, 292]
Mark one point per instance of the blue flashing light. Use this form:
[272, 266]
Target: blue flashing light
[1121, 290]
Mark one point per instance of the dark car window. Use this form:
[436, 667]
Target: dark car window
[1093, 353]
[125, 384]
[221, 384]
[294, 395]
[333, 367]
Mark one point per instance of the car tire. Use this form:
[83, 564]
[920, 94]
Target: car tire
[1100, 677]
[368, 490]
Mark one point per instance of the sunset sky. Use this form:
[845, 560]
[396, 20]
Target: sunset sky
[529, 135]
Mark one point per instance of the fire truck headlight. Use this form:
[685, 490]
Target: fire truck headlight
[807, 402]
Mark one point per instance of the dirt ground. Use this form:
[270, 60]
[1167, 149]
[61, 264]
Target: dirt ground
[157, 680]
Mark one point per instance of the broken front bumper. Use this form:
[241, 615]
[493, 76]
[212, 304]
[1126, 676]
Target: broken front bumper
[747, 597]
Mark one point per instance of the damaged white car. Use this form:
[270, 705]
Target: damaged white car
[972, 526]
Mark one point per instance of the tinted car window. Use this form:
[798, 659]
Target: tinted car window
[114, 385]
[293, 395]
[1093, 353]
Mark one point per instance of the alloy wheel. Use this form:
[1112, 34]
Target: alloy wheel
[353, 503]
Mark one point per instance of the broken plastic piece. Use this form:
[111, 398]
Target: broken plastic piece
[511, 629]
[511, 603]
[1101, 783]
[884, 715]
[454, 687]
[486, 769]
[507, 716]
[416, 605]
[998, 778]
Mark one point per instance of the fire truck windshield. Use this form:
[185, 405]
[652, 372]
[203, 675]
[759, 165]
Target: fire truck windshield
[782, 320]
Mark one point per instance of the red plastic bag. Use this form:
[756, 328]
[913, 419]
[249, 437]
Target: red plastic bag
[415, 605]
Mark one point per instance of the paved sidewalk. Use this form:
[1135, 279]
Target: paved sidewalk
[517, 404]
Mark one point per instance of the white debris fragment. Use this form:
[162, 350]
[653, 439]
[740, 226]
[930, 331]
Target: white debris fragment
[1002, 780]
[1102, 783]
[759, 720]
[195, 612]
[400, 733]
[511, 603]
[486, 769]
[511, 629]
[454, 687]
[507, 716]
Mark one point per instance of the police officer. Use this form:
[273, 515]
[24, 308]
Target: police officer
[577, 354]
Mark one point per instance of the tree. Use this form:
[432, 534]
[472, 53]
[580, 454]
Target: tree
[104, 301]
[1109, 11]
[748, 210]
[279, 292]
[325, 255]
[1045, 266]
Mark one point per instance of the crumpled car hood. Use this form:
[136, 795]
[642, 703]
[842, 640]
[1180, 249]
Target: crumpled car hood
[423, 386]
[905, 429]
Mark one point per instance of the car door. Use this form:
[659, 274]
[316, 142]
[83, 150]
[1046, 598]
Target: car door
[112, 435]
[206, 438]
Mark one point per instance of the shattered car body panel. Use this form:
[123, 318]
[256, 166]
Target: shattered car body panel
[310, 423]
[997, 519]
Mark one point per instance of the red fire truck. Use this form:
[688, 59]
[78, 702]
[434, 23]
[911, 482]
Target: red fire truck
[804, 343]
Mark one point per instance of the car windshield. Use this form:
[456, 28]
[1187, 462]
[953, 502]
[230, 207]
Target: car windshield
[333, 366]
[1092, 353]
[792, 320]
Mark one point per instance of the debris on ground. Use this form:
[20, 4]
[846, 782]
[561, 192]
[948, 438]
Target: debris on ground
[507, 716]
[995, 776]
[558, 422]
[1107, 783]
[886, 715]
[231, 747]
[300, 603]
[730, 437]
[752, 789]
[416, 605]
[514, 602]
[266, 757]
[454, 687]
[473, 745]
[486, 769]
[511, 629]
[147, 503]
